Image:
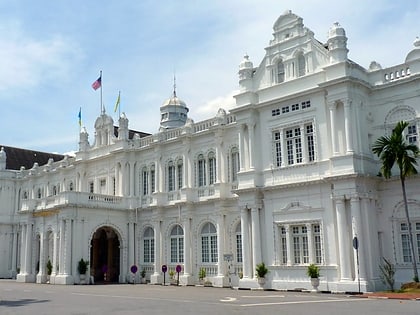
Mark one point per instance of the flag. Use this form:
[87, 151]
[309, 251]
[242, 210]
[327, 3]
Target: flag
[117, 103]
[97, 84]
[80, 117]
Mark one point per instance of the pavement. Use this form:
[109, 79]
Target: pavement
[391, 295]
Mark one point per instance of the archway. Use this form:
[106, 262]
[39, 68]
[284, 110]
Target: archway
[105, 255]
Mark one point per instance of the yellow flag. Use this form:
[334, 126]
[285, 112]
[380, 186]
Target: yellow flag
[117, 103]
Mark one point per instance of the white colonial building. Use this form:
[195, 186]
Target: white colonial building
[287, 178]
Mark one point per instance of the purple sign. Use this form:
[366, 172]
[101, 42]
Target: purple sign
[164, 268]
[133, 268]
[178, 268]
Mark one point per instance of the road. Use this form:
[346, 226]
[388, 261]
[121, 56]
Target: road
[28, 298]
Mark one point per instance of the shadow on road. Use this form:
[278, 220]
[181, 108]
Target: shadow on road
[22, 302]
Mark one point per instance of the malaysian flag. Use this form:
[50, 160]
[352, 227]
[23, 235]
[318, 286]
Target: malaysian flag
[97, 84]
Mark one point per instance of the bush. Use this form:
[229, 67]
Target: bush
[202, 273]
[82, 266]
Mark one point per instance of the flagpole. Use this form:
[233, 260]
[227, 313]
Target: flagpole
[119, 105]
[100, 75]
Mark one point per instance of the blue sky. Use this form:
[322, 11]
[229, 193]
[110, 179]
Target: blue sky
[52, 51]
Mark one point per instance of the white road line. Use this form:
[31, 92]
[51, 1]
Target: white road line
[262, 296]
[303, 302]
[228, 299]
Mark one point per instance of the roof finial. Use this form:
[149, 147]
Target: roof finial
[174, 85]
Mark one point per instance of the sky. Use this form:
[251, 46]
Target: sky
[52, 51]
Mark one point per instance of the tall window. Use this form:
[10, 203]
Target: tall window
[280, 72]
[149, 246]
[277, 148]
[235, 163]
[145, 181]
[171, 176]
[310, 142]
[301, 65]
[201, 171]
[238, 243]
[412, 134]
[209, 244]
[300, 245]
[177, 244]
[212, 168]
[179, 169]
[91, 187]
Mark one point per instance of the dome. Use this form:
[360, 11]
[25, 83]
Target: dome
[174, 101]
[415, 53]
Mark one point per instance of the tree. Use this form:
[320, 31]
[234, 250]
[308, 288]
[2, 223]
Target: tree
[395, 150]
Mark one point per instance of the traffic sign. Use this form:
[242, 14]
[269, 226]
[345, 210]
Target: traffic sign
[133, 268]
[164, 268]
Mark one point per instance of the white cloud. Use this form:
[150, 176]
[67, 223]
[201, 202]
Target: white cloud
[26, 61]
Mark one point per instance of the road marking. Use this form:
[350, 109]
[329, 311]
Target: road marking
[303, 302]
[228, 299]
[262, 296]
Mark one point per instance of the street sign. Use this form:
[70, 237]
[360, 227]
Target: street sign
[164, 268]
[178, 268]
[133, 268]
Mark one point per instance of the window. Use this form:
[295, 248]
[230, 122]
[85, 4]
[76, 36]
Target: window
[235, 163]
[275, 112]
[179, 173]
[285, 109]
[306, 104]
[299, 145]
[412, 134]
[405, 241]
[294, 239]
[212, 169]
[177, 244]
[149, 246]
[171, 176]
[238, 243]
[145, 181]
[71, 186]
[201, 171]
[152, 179]
[91, 187]
[301, 65]
[280, 72]
[209, 244]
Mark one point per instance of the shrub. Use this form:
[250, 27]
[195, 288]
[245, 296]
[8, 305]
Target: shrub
[82, 266]
[261, 270]
[313, 271]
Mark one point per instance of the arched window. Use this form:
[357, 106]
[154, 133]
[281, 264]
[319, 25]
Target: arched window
[201, 169]
[209, 244]
[238, 233]
[71, 186]
[39, 193]
[280, 72]
[212, 168]
[152, 179]
[177, 244]
[301, 65]
[149, 246]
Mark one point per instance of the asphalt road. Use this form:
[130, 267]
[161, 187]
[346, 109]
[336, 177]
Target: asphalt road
[28, 298]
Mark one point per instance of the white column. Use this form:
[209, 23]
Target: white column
[251, 134]
[348, 125]
[256, 237]
[23, 250]
[304, 144]
[289, 245]
[68, 252]
[132, 180]
[55, 253]
[358, 231]
[131, 244]
[310, 234]
[157, 227]
[241, 147]
[246, 250]
[28, 249]
[220, 163]
[333, 107]
[343, 239]
[221, 245]
[42, 254]
[283, 148]
[14, 248]
[187, 247]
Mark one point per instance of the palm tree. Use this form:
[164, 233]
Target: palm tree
[394, 149]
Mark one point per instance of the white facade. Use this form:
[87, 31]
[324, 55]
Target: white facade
[286, 178]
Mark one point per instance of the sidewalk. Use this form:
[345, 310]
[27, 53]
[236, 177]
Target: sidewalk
[391, 295]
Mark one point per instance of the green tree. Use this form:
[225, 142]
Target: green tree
[392, 150]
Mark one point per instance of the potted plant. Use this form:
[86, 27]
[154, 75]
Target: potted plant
[313, 273]
[202, 275]
[82, 267]
[143, 276]
[261, 271]
[172, 276]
